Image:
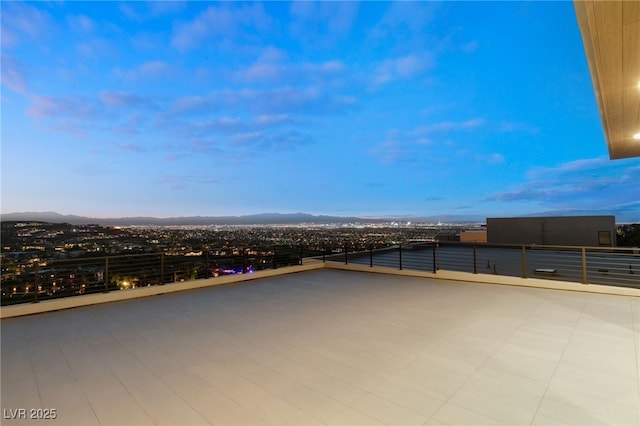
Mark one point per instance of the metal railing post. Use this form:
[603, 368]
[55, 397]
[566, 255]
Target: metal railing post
[475, 260]
[324, 252]
[524, 262]
[400, 255]
[37, 283]
[275, 262]
[435, 268]
[584, 265]
[346, 254]
[106, 275]
[371, 255]
[300, 260]
[161, 268]
[244, 262]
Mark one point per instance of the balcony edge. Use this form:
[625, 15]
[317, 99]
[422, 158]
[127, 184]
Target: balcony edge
[116, 296]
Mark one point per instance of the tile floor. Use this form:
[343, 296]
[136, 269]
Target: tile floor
[330, 347]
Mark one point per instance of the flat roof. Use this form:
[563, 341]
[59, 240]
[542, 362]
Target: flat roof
[330, 347]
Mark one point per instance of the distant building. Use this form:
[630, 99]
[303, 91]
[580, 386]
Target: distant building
[559, 230]
[473, 237]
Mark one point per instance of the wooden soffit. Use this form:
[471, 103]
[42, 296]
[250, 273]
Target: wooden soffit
[611, 36]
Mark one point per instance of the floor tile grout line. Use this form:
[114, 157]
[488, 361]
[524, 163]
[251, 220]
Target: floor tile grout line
[249, 379]
[153, 372]
[78, 382]
[380, 380]
[33, 372]
[584, 304]
[117, 377]
[543, 301]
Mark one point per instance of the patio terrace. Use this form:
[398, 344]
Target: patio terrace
[331, 347]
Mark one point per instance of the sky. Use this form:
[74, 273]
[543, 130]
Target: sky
[371, 109]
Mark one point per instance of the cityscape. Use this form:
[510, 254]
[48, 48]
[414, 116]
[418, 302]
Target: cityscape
[188, 252]
[27, 244]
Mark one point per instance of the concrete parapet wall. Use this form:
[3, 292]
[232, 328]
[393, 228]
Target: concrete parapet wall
[492, 279]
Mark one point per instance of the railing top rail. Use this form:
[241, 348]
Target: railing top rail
[116, 256]
[539, 246]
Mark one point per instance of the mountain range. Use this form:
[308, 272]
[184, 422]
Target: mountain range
[270, 219]
[254, 219]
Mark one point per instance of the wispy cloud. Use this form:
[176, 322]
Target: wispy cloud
[275, 140]
[182, 182]
[279, 100]
[108, 113]
[126, 100]
[95, 48]
[167, 7]
[448, 126]
[129, 147]
[404, 67]
[128, 10]
[13, 74]
[132, 125]
[273, 68]
[197, 104]
[227, 21]
[197, 145]
[147, 40]
[147, 70]
[67, 107]
[81, 23]
[512, 127]
[437, 108]
[470, 46]
[494, 158]
[212, 125]
[397, 151]
[273, 119]
[425, 143]
[144, 11]
[21, 22]
[584, 184]
[322, 23]
[289, 99]
[406, 23]
[264, 72]
[263, 120]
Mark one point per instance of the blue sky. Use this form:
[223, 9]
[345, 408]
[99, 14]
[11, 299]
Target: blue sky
[470, 109]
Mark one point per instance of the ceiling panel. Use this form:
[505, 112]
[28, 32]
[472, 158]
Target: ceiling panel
[611, 36]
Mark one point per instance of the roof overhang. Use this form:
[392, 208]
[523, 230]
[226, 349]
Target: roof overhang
[611, 36]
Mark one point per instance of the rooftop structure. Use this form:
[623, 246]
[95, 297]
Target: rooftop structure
[331, 347]
[596, 231]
